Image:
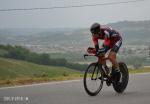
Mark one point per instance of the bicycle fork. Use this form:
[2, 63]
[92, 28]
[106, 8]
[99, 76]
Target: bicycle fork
[95, 74]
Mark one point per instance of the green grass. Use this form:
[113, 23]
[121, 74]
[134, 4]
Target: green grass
[14, 71]
[143, 70]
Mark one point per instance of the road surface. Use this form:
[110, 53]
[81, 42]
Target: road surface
[72, 92]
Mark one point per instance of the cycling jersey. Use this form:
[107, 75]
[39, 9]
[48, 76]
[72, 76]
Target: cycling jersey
[112, 39]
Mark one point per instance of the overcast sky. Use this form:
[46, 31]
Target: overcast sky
[70, 17]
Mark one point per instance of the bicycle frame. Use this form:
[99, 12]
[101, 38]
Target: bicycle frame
[92, 78]
[99, 59]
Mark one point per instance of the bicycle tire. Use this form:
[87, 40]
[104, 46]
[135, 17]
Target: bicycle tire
[119, 88]
[99, 71]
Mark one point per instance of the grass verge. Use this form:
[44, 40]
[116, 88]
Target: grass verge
[24, 81]
[143, 70]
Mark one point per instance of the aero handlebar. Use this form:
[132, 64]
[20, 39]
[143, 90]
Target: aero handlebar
[85, 55]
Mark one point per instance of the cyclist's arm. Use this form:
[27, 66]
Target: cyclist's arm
[95, 41]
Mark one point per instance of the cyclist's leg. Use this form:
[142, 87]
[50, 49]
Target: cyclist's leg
[106, 46]
[103, 62]
[113, 59]
[113, 53]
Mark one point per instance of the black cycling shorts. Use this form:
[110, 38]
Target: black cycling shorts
[115, 48]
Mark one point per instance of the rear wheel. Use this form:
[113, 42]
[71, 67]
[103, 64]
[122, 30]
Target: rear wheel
[121, 85]
[93, 79]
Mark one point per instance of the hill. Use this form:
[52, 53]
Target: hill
[64, 40]
[20, 71]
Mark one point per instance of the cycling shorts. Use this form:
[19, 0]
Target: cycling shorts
[112, 45]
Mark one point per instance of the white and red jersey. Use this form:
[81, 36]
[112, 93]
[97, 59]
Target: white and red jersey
[109, 35]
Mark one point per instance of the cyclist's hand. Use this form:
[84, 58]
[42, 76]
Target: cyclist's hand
[91, 50]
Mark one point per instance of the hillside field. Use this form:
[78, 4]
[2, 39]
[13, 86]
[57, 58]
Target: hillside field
[21, 72]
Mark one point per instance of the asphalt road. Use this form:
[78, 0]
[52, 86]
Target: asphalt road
[72, 92]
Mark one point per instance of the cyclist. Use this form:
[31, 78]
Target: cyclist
[112, 41]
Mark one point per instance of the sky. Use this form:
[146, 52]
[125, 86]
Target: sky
[70, 17]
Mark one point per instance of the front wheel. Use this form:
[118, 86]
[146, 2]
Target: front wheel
[120, 86]
[93, 79]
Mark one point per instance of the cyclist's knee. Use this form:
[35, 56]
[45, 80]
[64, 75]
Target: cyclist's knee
[101, 58]
[112, 57]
